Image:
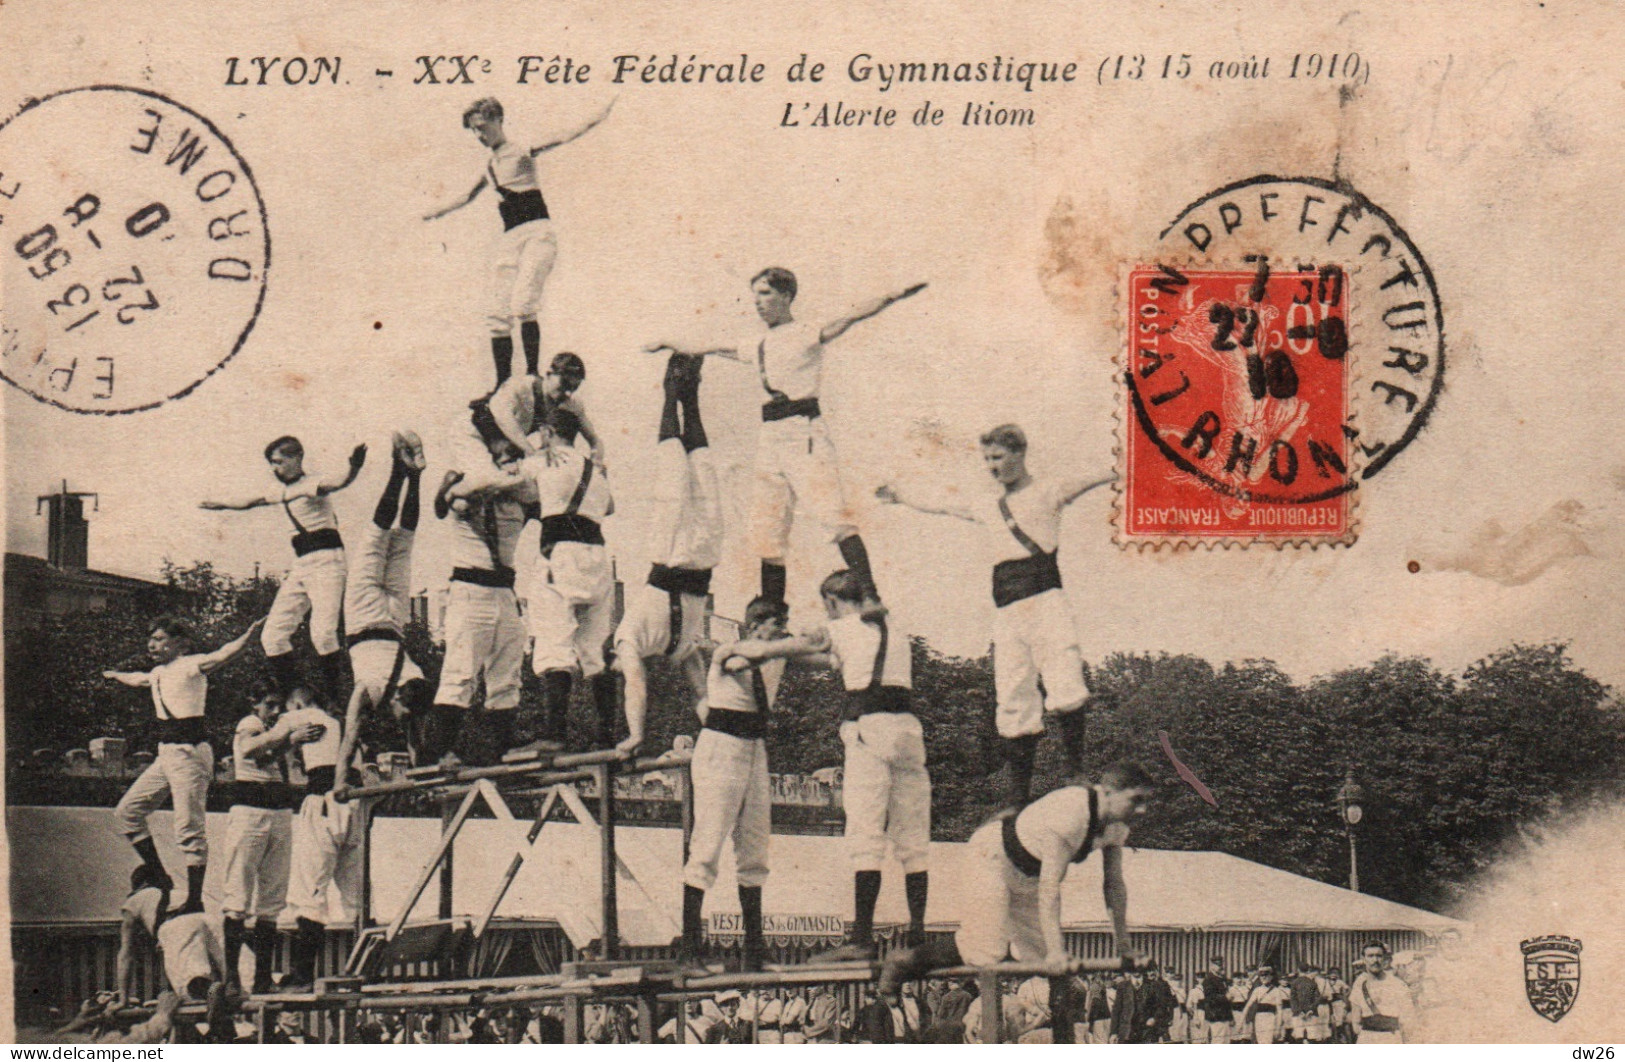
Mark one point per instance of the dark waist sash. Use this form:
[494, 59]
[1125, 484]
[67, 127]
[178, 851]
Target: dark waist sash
[1030, 576]
[517, 208]
[750, 726]
[372, 634]
[312, 541]
[1380, 1023]
[275, 796]
[785, 408]
[1016, 852]
[319, 780]
[500, 578]
[1264, 1008]
[867, 701]
[768, 1026]
[182, 731]
[696, 581]
[570, 528]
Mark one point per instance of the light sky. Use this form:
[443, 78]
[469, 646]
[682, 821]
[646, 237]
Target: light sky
[1500, 172]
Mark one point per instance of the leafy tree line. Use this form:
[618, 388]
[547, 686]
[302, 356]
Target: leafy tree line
[1451, 765]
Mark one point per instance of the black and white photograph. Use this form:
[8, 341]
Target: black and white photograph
[934, 523]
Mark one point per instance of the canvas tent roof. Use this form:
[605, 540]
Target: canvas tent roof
[70, 866]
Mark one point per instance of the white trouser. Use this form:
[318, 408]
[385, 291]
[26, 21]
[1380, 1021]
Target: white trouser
[181, 772]
[192, 948]
[645, 630]
[259, 843]
[1034, 639]
[373, 661]
[1264, 1026]
[796, 469]
[1215, 1032]
[484, 637]
[326, 853]
[732, 797]
[1001, 909]
[886, 791]
[524, 258]
[313, 587]
[571, 609]
[685, 509]
[378, 592]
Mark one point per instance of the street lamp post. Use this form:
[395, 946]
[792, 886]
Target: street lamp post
[1350, 797]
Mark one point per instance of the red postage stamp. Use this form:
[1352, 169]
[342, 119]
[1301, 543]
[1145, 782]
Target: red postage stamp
[1236, 418]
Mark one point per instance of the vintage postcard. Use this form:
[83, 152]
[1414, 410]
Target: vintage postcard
[927, 523]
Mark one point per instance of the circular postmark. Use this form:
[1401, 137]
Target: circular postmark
[135, 249]
[1285, 342]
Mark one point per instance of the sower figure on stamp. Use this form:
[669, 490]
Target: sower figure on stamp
[326, 839]
[377, 602]
[795, 459]
[314, 586]
[666, 616]
[571, 606]
[485, 637]
[185, 763]
[1034, 637]
[1016, 863]
[729, 770]
[528, 247]
[886, 791]
[259, 833]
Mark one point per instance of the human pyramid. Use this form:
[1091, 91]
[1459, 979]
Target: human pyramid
[534, 455]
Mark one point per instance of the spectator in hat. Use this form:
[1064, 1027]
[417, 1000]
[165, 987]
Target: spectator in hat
[1265, 1007]
[1156, 1007]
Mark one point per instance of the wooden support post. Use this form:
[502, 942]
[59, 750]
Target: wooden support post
[647, 1011]
[572, 1020]
[451, 822]
[606, 861]
[992, 1007]
[259, 1025]
[685, 799]
[1061, 1011]
[517, 862]
[363, 909]
[682, 1022]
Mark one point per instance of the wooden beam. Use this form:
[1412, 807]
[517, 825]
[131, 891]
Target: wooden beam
[448, 834]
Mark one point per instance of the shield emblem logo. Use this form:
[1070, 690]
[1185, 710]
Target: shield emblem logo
[1551, 975]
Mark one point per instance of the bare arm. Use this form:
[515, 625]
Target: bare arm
[1050, 874]
[237, 504]
[502, 404]
[358, 457]
[269, 744]
[124, 965]
[890, 494]
[226, 653]
[731, 353]
[352, 728]
[1072, 490]
[129, 678]
[757, 651]
[837, 328]
[637, 698]
[579, 131]
[589, 433]
[457, 204]
[1115, 892]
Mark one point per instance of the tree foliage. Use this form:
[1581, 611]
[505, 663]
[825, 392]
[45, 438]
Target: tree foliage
[1451, 766]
